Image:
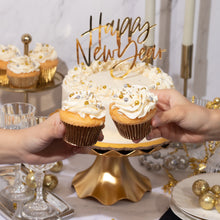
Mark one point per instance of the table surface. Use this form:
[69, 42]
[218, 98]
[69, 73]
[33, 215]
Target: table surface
[152, 205]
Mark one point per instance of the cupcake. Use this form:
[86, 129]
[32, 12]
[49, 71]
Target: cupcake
[132, 109]
[46, 55]
[6, 53]
[83, 116]
[23, 72]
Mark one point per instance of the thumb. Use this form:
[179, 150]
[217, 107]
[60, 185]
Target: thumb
[173, 115]
[52, 128]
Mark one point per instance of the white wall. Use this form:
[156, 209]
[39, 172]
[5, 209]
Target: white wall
[60, 22]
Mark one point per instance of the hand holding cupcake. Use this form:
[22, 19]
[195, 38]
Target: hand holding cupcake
[83, 116]
[132, 109]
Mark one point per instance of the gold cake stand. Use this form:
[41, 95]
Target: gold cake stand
[111, 177]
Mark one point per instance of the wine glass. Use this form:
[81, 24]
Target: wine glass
[18, 115]
[39, 208]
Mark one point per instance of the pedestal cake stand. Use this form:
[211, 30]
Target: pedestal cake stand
[111, 177]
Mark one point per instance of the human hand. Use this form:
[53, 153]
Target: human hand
[177, 119]
[44, 143]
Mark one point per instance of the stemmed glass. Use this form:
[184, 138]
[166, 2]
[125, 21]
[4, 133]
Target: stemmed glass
[18, 115]
[39, 208]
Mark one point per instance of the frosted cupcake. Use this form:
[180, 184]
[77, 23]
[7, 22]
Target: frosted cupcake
[46, 55]
[23, 72]
[132, 109]
[6, 53]
[84, 117]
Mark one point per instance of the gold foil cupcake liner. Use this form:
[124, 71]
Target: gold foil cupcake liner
[3, 77]
[134, 132]
[81, 136]
[47, 74]
[23, 82]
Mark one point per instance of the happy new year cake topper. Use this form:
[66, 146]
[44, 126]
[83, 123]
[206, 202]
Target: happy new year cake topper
[118, 30]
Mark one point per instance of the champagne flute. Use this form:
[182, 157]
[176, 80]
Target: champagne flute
[18, 115]
[39, 208]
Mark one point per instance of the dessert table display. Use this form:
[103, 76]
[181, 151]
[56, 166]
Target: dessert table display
[125, 188]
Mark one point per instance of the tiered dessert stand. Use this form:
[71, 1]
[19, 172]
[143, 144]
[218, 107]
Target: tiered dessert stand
[57, 80]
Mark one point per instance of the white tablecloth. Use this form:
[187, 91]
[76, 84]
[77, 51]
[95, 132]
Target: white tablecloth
[151, 206]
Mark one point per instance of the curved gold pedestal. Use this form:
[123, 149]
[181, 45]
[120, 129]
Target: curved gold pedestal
[112, 178]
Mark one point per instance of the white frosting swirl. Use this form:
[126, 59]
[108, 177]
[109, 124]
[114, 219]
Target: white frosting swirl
[84, 103]
[159, 79]
[23, 64]
[134, 101]
[43, 52]
[8, 52]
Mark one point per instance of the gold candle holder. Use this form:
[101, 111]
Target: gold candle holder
[112, 178]
[186, 65]
[150, 59]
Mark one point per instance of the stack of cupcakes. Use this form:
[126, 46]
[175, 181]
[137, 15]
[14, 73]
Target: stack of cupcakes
[6, 54]
[83, 116]
[132, 109]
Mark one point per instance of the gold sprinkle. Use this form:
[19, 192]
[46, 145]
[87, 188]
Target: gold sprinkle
[136, 102]
[82, 64]
[121, 96]
[26, 63]
[158, 83]
[86, 103]
[47, 45]
[75, 68]
[71, 94]
[3, 51]
[158, 70]
[40, 57]
[84, 68]
[100, 62]
[104, 87]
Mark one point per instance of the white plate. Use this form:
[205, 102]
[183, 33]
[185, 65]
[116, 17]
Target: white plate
[178, 212]
[188, 202]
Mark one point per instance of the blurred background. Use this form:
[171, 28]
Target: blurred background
[60, 22]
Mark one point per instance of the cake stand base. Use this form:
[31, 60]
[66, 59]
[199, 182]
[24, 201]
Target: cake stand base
[111, 178]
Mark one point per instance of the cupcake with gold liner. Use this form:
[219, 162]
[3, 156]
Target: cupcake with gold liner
[83, 116]
[23, 72]
[132, 109]
[6, 54]
[46, 55]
